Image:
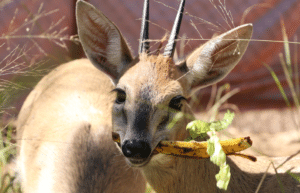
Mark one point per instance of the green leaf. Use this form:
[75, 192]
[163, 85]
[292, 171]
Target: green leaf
[214, 148]
[223, 124]
[223, 177]
[197, 128]
[211, 146]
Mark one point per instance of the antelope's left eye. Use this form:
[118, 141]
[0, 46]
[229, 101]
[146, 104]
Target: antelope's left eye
[175, 102]
[121, 96]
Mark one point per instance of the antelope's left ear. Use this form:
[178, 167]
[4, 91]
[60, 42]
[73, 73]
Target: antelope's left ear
[211, 62]
[102, 41]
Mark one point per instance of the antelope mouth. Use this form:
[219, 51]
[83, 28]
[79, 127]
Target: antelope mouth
[138, 162]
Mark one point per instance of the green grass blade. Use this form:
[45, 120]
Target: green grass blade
[286, 47]
[296, 71]
[295, 176]
[278, 84]
[278, 178]
[289, 80]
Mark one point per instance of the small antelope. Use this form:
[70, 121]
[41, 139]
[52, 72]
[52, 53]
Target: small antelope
[66, 123]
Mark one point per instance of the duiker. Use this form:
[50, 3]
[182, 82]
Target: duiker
[66, 123]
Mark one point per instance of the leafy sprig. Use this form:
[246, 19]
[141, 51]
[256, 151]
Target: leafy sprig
[217, 156]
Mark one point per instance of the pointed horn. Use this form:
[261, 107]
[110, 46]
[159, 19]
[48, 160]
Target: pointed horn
[169, 49]
[144, 45]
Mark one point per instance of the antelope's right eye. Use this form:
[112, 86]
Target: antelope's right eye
[121, 96]
[175, 103]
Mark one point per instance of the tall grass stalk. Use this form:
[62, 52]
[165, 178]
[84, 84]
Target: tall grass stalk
[286, 47]
[289, 80]
[290, 74]
[277, 81]
[296, 70]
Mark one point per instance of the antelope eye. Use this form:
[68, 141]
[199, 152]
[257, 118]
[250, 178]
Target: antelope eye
[121, 96]
[175, 103]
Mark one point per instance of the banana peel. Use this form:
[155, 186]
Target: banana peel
[198, 150]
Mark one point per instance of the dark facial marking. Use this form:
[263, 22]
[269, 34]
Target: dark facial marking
[176, 102]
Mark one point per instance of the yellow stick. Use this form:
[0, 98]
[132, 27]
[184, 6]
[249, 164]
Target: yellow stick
[198, 149]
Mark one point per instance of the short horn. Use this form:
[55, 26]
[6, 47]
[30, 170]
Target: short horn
[169, 49]
[144, 44]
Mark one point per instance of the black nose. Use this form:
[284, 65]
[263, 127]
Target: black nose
[136, 149]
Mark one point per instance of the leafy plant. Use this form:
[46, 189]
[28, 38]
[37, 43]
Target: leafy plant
[214, 149]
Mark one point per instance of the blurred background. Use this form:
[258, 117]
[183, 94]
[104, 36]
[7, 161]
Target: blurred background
[37, 35]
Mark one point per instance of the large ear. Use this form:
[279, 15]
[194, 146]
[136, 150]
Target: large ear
[211, 62]
[102, 41]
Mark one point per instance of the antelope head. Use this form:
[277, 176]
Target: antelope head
[152, 89]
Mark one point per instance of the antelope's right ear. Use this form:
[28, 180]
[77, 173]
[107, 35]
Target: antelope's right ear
[212, 61]
[102, 41]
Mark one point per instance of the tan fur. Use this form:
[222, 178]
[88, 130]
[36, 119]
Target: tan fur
[65, 125]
